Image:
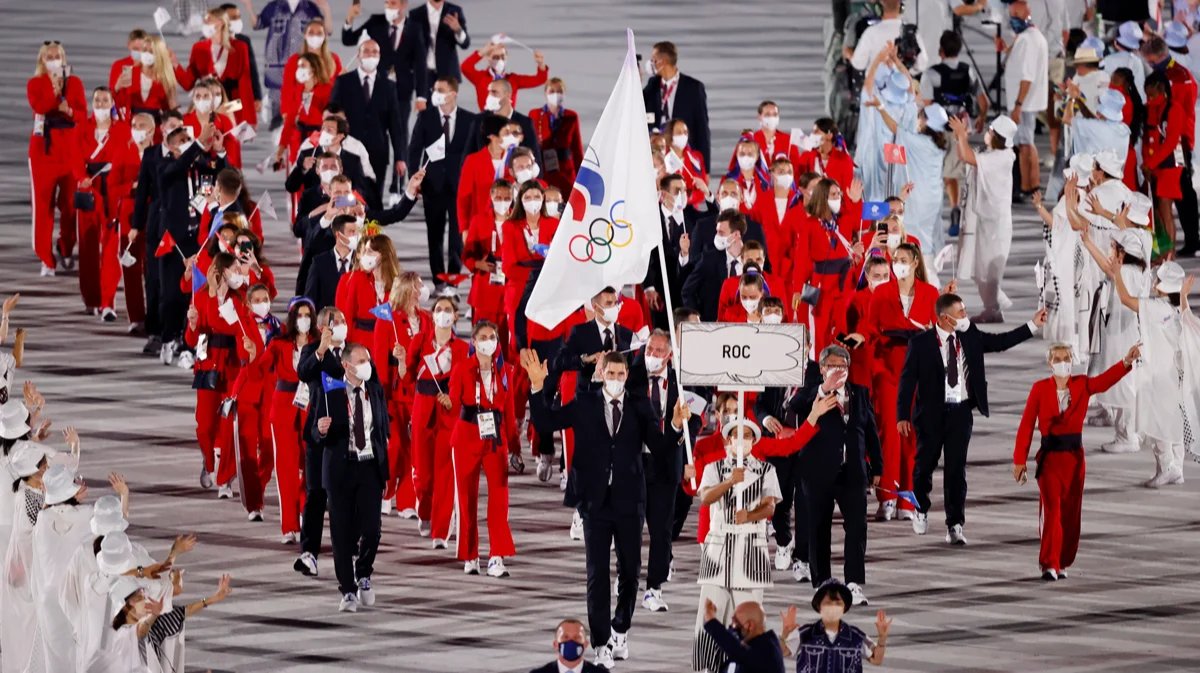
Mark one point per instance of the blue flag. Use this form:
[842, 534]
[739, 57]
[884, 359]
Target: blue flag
[383, 311]
[876, 210]
[541, 249]
[331, 384]
[908, 497]
[198, 280]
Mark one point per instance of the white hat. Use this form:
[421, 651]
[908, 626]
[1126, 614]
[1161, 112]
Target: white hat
[1083, 162]
[1084, 177]
[1131, 242]
[116, 554]
[1085, 55]
[1170, 278]
[25, 457]
[107, 517]
[59, 484]
[1006, 128]
[1129, 35]
[120, 591]
[751, 428]
[1109, 162]
[1140, 206]
[1176, 35]
[1111, 105]
[14, 419]
[898, 90]
[936, 117]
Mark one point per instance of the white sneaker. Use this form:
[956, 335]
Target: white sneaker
[385, 507]
[955, 535]
[857, 597]
[1049, 575]
[306, 564]
[471, 567]
[920, 523]
[562, 481]
[800, 571]
[619, 644]
[407, 513]
[289, 538]
[47, 271]
[224, 492]
[108, 315]
[366, 596]
[905, 514]
[439, 543]
[604, 658]
[1119, 447]
[186, 360]
[423, 528]
[652, 600]
[783, 556]
[496, 567]
[349, 603]
[167, 352]
[255, 516]
[576, 526]
[1165, 478]
[544, 468]
[1062, 574]
[886, 511]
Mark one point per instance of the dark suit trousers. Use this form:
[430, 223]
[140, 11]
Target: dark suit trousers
[787, 469]
[683, 507]
[440, 211]
[952, 438]
[151, 268]
[660, 523]
[354, 523]
[600, 530]
[173, 304]
[312, 525]
[849, 491]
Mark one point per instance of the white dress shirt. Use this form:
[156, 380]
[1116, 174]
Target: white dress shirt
[956, 393]
[672, 85]
[371, 80]
[1028, 61]
[562, 668]
[608, 410]
[355, 399]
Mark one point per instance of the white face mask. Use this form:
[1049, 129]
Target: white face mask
[261, 308]
[443, 319]
[610, 313]
[901, 270]
[326, 138]
[532, 205]
[783, 180]
[314, 42]
[423, 294]
[554, 99]
[1061, 369]
[438, 98]
[139, 135]
[368, 262]
[614, 388]
[835, 206]
[486, 347]
[553, 208]
[832, 613]
[327, 176]
[236, 26]
[728, 202]
[391, 14]
[203, 105]
[720, 242]
[102, 113]
[492, 103]
[369, 63]
[773, 318]
[135, 55]
[893, 241]
[216, 100]
[770, 123]
[339, 333]
[501, 207]
[746, 163]
[876, 283]
[751, 305]
[183, 147]
[679, 141]
[527, 174]
[509, 141]
[654, 363]
[363, 371]
[146, 58]
[208, 30]
[352, 241]
[498, 65]
[962, 325]
[303, 324]
[234, 281]
[54, 65]
[303, 75]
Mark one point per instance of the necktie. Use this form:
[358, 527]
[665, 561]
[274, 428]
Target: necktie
[666, 100]
[656, 395]
[733, 268]
[343, 265]
[392, 36]
[446, 127]
[608, 340]
[674, 228]
[951, 361]
[616, 415]
[367, 86]
[360, 435]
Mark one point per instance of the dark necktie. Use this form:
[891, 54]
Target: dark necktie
[616, 416]
[656, 395]
[608, 340]
[392, 36]
[952, 361]
[674, 229]
[367, 86]
[343, 265]
[733, 268]
[446, 127]
[360, 434]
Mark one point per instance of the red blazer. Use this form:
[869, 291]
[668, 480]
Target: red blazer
[816, 244]
[752, 191]
[422, 345]
[114, 73]
[879, 245]
[780, 235]
[1042, 406]
[886, 319]
[462, 393]
[206, 223]
[779, 147]
[482, 78]
[693, 167]
[289, 74]
[124, 177]
[236, 77]
[225, 360]
[130, 98]
[517, 255]
[55, 143]
[632, 315]
[475, 187]
[256, 380]
[480, 242]
[116, 151]
[279, 360]
[355, 298]
[385, 337]
[857, 318]
[233, 148]
[839, 167]
[291, 106]
[562, 136]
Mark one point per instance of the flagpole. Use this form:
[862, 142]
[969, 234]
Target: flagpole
[666, 293]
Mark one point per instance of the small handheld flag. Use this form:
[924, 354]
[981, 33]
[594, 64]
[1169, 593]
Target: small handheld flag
[198, 280]
[895, 154]
[161, 18]
[909, 497]
[165, 245]
[382, 312]
[541, 249]
[330, 384]
[876, 210]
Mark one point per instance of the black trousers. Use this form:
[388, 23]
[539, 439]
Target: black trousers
[440, 211]
[312, 526]
[354, 522]
[952, 439]
[849, 490]
[172, 302]
[150, 269]
[1189, 214]
[683, 507]
[546, 350]
[791, 485]
[660, 524]
[600, 530]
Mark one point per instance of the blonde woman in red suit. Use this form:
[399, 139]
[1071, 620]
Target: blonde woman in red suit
[115, 241]
[557, 131]
[58, 105]
[367, 286]
[483, 256]
[900, 309]
[429, 363]
[205, 110]
[525, 229]
[887, 235]
[682, 159]
[101, 145]
[220, 56]
[391, 344]
[780, 211]
[303, 105]
[316, 43]
[288, 414]
[481, 388]
[148, 85]
[221, 329]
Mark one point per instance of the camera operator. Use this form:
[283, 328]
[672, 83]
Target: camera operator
[934, 17]
[890, 29]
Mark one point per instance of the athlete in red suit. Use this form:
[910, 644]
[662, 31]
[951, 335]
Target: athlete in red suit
[558, 132]
[483, 256]
[253, 391]
[288, 413]
[878, 272]
[496, 55]
[829, 159]
[205, 105]
[220, 56]
[781, 214]
[480, 170]
[526, 228]
[368, 286]
[121, 239]
[303, 105]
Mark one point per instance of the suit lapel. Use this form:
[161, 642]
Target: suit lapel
[604, 416]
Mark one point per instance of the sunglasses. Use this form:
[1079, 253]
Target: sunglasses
[47, 43]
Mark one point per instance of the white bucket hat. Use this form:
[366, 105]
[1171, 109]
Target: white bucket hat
[60, 485]
[25, 457]
[116, 554]
[107, 517]
[728, 429]
[14, 419]
[1110, 162]
[120, 591]
[1006, 128]
[1140, 206]
[1170, 278]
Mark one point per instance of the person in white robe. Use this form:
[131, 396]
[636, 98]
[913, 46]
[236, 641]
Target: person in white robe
[986, 236]
[892, 89]
[61, 528]
[1061, 267]
[1105, 132]
[108, 516]
[1128, 41]
[18, 630]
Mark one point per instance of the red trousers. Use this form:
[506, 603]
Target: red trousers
[400, 468]
[470, 456]
[212, 433]
[52, 185]
[113, 242]
[899, 453]
[433, 468]
[91, 227]
[287, 437]
[1061, 488]
[256, 456]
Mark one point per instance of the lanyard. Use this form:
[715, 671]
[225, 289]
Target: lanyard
[490, 390]
[552, 120]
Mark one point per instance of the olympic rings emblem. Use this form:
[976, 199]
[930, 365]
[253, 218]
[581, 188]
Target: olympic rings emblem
[603, 235]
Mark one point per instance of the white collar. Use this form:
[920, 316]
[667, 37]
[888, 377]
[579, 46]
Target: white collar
[602, 327]
[363, 73]
[608, 399]
[563, 668]
[670, 82]
[349, 255]
[434, 11]
[453, 114]
[943, 335]
[729, 257]
[667, 214]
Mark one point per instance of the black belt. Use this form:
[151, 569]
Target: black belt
[364, 323]
[900, 337]
[53, 122]
[1059, 444]
[431, 387]
[469, 412]
[286, 387]
[832, 266]
[221, 341]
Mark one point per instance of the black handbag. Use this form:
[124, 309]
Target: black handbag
[810, 294]
[85, 201]
[206, 380]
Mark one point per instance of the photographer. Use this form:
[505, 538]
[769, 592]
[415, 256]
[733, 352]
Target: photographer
[889, 29]
[934, 17]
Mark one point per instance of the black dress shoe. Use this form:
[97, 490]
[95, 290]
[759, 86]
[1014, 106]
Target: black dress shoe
[153, 345]
[1047, 575]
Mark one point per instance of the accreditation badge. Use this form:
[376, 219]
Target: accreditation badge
[300, 400]
[487, 422]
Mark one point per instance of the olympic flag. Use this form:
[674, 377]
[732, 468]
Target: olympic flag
[611, 222]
